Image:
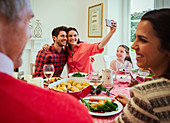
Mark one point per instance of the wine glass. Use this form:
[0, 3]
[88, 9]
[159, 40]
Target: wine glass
[134, 73]
[48, 70]
[143, 73]
[127, 71]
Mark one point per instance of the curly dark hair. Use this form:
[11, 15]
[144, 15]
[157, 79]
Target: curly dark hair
[57, 30]
[160, 20]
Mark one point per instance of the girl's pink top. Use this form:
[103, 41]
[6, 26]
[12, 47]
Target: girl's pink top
[80, 61]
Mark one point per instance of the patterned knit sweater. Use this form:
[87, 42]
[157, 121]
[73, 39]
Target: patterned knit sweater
[150, 103]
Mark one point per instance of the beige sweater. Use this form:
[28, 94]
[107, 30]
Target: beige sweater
[150, 103]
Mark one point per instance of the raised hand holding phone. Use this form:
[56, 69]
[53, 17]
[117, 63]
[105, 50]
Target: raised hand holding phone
[109, 22]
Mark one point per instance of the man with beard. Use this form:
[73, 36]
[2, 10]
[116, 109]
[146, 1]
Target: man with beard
[56, 54]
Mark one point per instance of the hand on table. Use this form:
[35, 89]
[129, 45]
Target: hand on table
[92, 59]
[46, 47]
[122, 98]
[133, 82]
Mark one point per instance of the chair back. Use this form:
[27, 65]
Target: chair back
[107, 60]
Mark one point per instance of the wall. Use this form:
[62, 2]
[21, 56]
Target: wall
[74, 13]
[54, 13]
[99, 62]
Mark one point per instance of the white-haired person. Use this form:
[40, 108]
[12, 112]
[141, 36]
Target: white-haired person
[22, 102]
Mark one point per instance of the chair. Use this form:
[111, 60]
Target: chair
[32, 66]
[107, 60]
[64, 73]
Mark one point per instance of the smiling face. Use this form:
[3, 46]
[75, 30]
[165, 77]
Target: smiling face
[16, 34]
[121, 53]
[72, 37]
[61, 39]
[147, 46]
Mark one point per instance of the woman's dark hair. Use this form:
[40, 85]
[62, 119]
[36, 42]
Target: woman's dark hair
[72, 28]
[160, 20]
[128, 58]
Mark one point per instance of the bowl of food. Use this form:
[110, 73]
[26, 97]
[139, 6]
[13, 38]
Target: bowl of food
[78, 75]
[75, 86]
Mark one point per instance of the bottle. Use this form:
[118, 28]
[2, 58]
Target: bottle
[37, 30]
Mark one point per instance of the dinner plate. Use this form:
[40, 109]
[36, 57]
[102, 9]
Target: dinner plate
[123, 78]
[141, 77]
[120, 107]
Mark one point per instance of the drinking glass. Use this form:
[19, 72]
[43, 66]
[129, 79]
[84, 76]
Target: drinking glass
[127, 71]
[143, 73]
[94, 75]
[134, 73]
[48, 70]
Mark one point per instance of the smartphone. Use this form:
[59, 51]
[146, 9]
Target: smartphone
[109, 22]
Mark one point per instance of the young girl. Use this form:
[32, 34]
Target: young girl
[123, 60]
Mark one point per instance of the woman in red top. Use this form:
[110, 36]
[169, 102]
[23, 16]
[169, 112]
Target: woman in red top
[79, 53]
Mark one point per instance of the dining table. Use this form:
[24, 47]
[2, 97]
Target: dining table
[119, 87]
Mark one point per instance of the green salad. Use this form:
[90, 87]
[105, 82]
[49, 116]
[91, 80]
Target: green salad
[78, 74]
[150, 75]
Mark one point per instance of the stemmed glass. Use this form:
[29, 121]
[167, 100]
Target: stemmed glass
[48, 70]
[143, 73]
[134, 73]
[128, 71]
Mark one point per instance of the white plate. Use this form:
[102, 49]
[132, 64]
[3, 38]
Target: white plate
[71, 75]
[120, 107]
[123, 78]
[147, 78]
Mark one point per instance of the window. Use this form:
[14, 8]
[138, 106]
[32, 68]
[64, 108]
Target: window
[138, 9]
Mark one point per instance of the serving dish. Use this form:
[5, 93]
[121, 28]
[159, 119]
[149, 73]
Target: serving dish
[81, 93]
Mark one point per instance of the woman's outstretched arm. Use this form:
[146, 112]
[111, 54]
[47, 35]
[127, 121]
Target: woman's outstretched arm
[108, 36]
